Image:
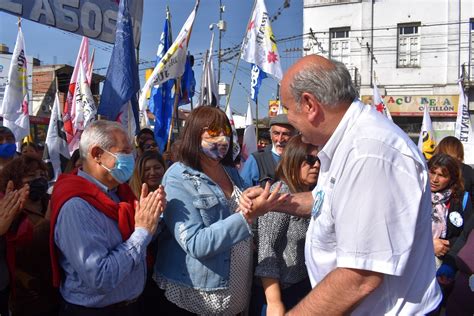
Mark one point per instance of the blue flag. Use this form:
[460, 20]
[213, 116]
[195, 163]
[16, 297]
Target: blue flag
[121, 82]
[162, 98]
[257, 75]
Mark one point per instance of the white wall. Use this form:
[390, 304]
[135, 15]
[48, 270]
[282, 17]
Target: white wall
[438, 69]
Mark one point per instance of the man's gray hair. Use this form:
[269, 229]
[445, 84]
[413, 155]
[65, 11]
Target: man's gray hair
[329, 86]
[99, 133]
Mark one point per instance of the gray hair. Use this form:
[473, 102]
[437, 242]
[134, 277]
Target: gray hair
[99, 133]
[329, 86]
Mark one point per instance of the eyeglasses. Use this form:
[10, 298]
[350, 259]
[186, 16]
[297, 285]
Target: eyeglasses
[215, 130]
[311, 159]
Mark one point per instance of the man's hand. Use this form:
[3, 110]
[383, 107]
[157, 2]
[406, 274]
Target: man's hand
[149, 209]
[441, 247]
[256, 201]
[11, 204]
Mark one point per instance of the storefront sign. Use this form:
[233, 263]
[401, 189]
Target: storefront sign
[439, 105]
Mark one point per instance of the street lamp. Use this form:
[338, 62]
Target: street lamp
[222, 27]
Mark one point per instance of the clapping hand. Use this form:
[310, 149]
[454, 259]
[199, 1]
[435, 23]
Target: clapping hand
[150, 207]
[11, 204]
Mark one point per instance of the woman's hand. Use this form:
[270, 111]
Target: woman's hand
[11, 204]
[256, 201]
[275, 308]
[441, 247]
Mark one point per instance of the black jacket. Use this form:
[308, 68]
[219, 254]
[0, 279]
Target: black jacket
[468, 176]
[453, 233]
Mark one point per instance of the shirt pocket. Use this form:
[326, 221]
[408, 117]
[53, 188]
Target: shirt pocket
[207, 204]
[324, 233]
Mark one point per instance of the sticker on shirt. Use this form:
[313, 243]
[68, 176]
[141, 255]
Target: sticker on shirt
[456, 219]
[317, 204]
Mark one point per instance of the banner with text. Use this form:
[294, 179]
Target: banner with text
[92, 18]
[439, 105]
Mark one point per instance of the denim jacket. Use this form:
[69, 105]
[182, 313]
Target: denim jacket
[194, 249]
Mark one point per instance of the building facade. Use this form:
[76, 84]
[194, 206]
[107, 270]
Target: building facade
[415, 51]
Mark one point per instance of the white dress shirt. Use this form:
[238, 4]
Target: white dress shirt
[372, 212]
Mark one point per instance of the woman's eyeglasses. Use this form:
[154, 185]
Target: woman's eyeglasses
[311, 159]
[215, 130]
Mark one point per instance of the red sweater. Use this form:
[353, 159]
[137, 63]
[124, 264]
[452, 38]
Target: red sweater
[72, 185]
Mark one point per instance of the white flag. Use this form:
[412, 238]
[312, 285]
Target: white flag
[14, 107]
[380, 105]
[56, 151]
[249, 144]
[427, 141]
[209, 94]
[235, 145]
[85, 108]
[173, 62]
[463, 130]
[259, 45]
[69, 110]
[280, 108]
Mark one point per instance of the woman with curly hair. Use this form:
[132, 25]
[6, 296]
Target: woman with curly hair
[447, 195]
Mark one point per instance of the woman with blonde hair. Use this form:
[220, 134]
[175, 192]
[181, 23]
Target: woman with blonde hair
[149, 169]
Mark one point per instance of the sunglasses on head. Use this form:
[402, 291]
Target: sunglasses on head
[215, 130]
[311, 159]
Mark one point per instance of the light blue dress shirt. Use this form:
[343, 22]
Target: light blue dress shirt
[99, 268]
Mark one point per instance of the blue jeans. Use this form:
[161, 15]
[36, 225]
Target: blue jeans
[289, 296]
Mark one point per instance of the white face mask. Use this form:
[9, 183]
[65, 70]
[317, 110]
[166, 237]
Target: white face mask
[215, 147]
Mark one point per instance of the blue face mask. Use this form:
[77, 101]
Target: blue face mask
[123, 168]
[7, 150]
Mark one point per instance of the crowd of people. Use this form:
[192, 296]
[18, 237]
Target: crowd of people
[339, 214]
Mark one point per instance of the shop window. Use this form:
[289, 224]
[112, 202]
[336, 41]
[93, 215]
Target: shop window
[408, 45]
[340, 45]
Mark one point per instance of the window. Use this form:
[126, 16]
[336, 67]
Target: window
[408, 45]
[340, 48]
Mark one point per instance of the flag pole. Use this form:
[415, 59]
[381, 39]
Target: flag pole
[175, 110]
[256, 117]
[238, 59]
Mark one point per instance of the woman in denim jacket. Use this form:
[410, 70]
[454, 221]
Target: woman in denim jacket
[204, 260]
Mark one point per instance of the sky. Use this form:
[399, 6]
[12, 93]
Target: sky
[52, 45]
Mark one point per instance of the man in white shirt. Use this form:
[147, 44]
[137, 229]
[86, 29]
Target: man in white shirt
[369, 247]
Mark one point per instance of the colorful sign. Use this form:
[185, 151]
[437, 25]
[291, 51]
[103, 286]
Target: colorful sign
[273, 107]
[439, 105]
